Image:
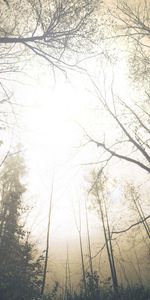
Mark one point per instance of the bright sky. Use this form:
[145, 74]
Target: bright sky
[49, 120]
[51, 137]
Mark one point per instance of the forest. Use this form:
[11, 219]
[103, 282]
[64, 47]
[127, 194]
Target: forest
[74, 150]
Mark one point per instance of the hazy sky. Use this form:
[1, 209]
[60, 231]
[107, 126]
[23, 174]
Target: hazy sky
[49, 126]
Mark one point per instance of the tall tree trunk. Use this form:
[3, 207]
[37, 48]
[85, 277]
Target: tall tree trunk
[48, 237]
[68, 288]
[107, 236]
[141, 215]
[89, 241]
[115, 280]
[81, 249]
[123, 267]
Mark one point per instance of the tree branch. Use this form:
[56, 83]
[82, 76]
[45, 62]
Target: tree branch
[131, 226]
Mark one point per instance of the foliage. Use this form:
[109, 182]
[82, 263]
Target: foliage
[53, 294]
[134, 293]
[135, 24]
[92, 285]
[44, 28]
[20, 273]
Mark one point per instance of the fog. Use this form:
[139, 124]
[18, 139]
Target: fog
[74, 157]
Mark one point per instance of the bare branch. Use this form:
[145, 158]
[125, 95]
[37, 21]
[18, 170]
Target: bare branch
[131, 226]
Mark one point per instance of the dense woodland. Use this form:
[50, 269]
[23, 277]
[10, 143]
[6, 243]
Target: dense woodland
[65, 37]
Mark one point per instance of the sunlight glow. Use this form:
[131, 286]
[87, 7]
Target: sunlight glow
[52, 136]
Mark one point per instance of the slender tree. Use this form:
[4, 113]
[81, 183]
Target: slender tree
[89, 240]
[68, 285]
[48, 237]
[98, 191]
[134, 196]
[79, 229]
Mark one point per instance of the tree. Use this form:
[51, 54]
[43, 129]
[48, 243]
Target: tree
[45, 28]
[99, 194]
[89, 241]
[79, 229]
[50, 29]
[132, 122]
[129, 25]
[7, 116]
[47, 237]
[68, 285]
[93, 289]
[133, 195]
[20, 273]
[133, 25]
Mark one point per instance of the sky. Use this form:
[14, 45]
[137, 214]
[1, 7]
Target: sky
[52, 117]
[50, 123]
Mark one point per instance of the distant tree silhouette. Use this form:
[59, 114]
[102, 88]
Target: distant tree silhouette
[20, 273]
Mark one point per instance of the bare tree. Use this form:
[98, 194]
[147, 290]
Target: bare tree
[45, 28]
[133, 25]
[79, 229]
[88, 238]
[131, 118]
[133, 144]
[68, 285]
[48, 237]
[133, 196]
[98, 191]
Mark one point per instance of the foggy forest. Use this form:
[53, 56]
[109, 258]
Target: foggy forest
[74, 149]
